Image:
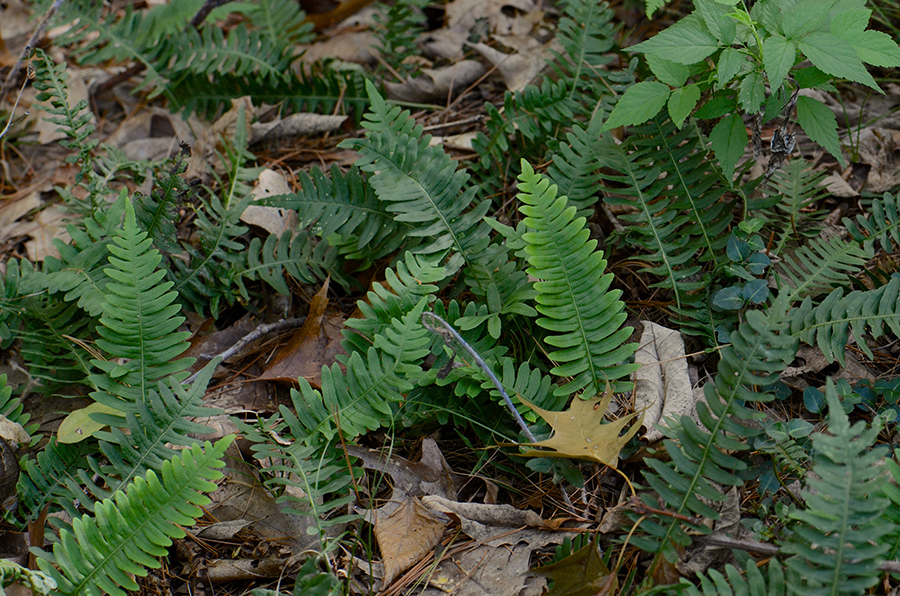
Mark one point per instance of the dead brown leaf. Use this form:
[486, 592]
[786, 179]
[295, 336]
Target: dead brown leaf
[314, 345]
[406, 535]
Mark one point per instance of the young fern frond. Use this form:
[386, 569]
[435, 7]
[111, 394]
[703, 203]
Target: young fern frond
[733, 582]
[836, 546]
[702, 453]
[156, 212]
[298, 255]
[881, 225]
[575, 164]
[398, 27]
[796, 188]
[139, 320]
[583, 315]
[127, 535]
[829, 323]
[820, 265]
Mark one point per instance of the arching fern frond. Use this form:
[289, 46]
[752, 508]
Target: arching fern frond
[703, 454]
[575, 166]
[126, 536]
[836, 546]
[829, 323]
[820, 265]
[344, 204]
[297, 255]
[583, 315]
[795, 189]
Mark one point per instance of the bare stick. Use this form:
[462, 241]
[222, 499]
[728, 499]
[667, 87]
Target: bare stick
[252, 336]
[447, 330]
[14, 71]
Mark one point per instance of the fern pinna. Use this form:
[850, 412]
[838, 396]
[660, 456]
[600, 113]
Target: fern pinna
[702, 454]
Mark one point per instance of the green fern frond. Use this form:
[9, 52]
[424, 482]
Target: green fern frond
[411, 280]
[398, 27]
[126, 535]
[584, 316]
[139, 319]
[837, 547]
[829, 323]
[892, 513]
[345, 205]
[703, 454]
[881, 224]
[575, 166]
[156, 212]
[421, 185]
[365, 398]
[53, 477]
[682, 218]
[750, 582]
[299, 256]
[794, 188]
[74, 121]
[586, 34]
[244, 52]
[821, 265]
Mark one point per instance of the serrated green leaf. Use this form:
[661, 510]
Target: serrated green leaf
[876, 48]
[670, 73]
[836, 57]
[716, 18]
[687, 42]
[850, 23]
[639, 103]
[778, 58]
[804, 17]
[728, 139]
[682, 102]
[820, 125]
[752, 92]
[731, 62]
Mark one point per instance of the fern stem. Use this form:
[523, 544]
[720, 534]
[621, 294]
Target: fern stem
[448, 329]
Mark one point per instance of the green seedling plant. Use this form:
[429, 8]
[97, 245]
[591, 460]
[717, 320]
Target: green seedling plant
[724, 60]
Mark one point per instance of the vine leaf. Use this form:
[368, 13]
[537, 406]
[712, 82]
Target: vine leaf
[579, 432]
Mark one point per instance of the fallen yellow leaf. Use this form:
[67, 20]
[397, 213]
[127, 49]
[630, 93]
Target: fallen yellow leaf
[579, 432]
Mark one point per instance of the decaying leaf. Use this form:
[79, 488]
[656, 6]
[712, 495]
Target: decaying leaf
[406, 535]
[79, 425]
[314, 345]
[662, 386]
[579, 432]
[583, 573]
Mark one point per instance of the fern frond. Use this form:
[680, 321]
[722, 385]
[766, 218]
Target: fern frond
[836, 546]
[126, 535]
[156, 212]
[704, 454]
[139, 319]
[575, 166]
[398, 27]
[795, 188]
[584, 316]
[829, 323]
[344, 204]
[366, 396]
[892, 513]
[682, 218]
[53, 477]
[735, 583]
[820, 265]
[421, 186]
[586, 34]
[881, 225]
[299, 256]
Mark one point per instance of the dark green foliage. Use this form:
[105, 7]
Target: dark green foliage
[836, 546]
[172, 50]
[734, 582]
[398, 27]
[584, 317]
[706, 453]
[344, 209]
[127, 535]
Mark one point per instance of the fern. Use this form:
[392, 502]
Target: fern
[139, 323]
[130, 533]
[794, 189]
[836, 545]
[734, 583]
[299, 256]
[398, 27]
[828, 325]
[573, 293]
[703, 455]
[345, 206]
[817, 267]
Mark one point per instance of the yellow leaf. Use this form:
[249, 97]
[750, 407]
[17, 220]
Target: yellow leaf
[79, 425]
[579, 432]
